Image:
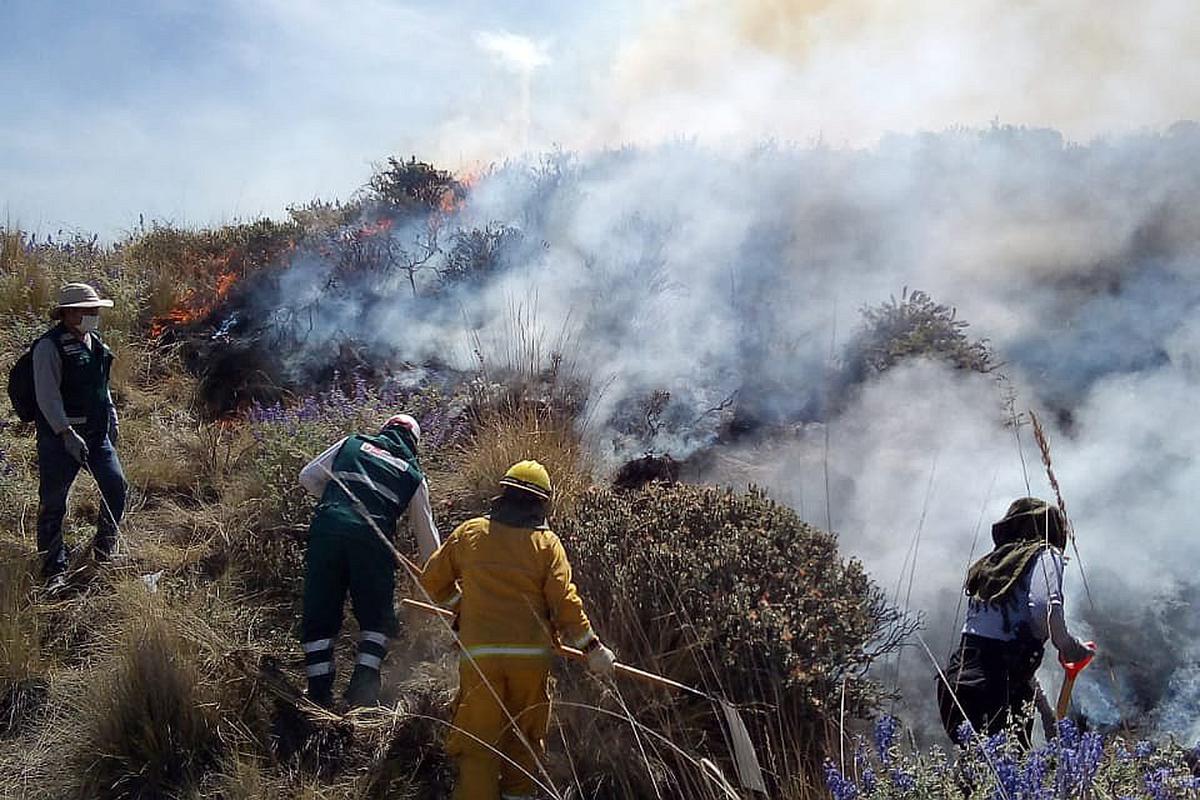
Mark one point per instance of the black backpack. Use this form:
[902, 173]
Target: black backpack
[20, 387]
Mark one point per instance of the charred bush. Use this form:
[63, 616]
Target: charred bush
[233, 376]
[649, 468]
[478, 253]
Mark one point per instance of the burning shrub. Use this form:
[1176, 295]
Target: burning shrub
[190, 272]
[735, 593]
[415, 185]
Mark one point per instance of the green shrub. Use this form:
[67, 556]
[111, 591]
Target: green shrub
[911, 327]
[734, 593]
[415, 186]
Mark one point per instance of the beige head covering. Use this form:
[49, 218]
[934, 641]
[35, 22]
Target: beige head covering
[80, 295]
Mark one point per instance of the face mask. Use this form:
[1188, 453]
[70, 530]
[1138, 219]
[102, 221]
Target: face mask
[89, 323]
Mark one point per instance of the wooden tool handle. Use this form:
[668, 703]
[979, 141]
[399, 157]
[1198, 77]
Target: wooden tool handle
[1064, 696]
[1071, 670]
[575, 654]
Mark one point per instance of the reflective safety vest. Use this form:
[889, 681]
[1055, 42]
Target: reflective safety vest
[373, 476]
[85, 376]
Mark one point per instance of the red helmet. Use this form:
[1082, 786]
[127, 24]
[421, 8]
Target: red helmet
[407, 422]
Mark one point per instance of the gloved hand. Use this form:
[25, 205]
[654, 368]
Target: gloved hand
[1079, 651]
[601, 661]
[75, 445]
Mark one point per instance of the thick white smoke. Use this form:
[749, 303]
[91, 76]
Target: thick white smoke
[849, 71]
[709, 273]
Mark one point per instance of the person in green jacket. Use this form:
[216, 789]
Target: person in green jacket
[364, 484]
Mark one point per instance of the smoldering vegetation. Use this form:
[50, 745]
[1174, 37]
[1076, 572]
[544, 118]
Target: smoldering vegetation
[789, 317]
[716, 299]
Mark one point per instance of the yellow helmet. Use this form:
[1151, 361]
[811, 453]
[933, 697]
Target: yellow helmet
[529, 476]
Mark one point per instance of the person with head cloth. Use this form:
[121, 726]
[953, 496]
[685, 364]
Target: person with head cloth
[1015, 604]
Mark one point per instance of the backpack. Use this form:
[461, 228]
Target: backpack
[20, 387]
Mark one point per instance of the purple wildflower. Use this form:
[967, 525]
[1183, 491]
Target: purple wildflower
[887, 728]
[841, 787]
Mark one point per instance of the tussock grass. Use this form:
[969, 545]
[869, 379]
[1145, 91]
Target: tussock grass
[503, 437]
[22, 679]
[138, 720]
[152, 729]
[19, 651]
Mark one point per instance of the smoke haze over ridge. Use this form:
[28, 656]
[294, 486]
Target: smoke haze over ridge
[704, 263]
[192, 113]
[708, 272]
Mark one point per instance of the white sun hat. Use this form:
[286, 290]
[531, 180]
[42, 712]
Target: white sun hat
[80, 295]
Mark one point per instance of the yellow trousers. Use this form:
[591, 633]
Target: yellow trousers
[493, 761]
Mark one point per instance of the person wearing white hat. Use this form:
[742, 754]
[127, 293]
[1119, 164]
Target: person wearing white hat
[76, 427]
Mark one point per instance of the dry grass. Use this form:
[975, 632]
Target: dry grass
[501, 439]
[24, 284]
[20, 655]
[151, 729]
[135, 720]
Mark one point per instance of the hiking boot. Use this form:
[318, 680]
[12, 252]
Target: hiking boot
[363, 690]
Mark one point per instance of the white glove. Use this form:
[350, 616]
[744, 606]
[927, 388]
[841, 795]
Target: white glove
[601, 661]
[75, 445]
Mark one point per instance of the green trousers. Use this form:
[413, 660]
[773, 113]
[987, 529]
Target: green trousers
[347, 560]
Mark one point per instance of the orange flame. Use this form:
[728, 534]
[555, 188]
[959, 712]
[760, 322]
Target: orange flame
[453, 201]
[192, 307]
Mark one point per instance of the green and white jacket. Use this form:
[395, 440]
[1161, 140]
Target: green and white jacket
[385, 482]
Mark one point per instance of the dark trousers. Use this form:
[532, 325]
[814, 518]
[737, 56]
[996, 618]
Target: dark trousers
[338, 563]
[56, 472]
[990, 686]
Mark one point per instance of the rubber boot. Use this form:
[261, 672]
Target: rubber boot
[320, 690]
[363, 691]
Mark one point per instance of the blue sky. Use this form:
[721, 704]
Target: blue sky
[199, 112]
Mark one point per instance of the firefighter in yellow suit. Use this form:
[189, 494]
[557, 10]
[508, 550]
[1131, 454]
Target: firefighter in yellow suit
[507, 577]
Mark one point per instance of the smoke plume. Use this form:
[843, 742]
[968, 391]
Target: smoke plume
[705, 275]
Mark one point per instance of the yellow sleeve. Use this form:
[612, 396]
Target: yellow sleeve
[440, 576]
[562, 599]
